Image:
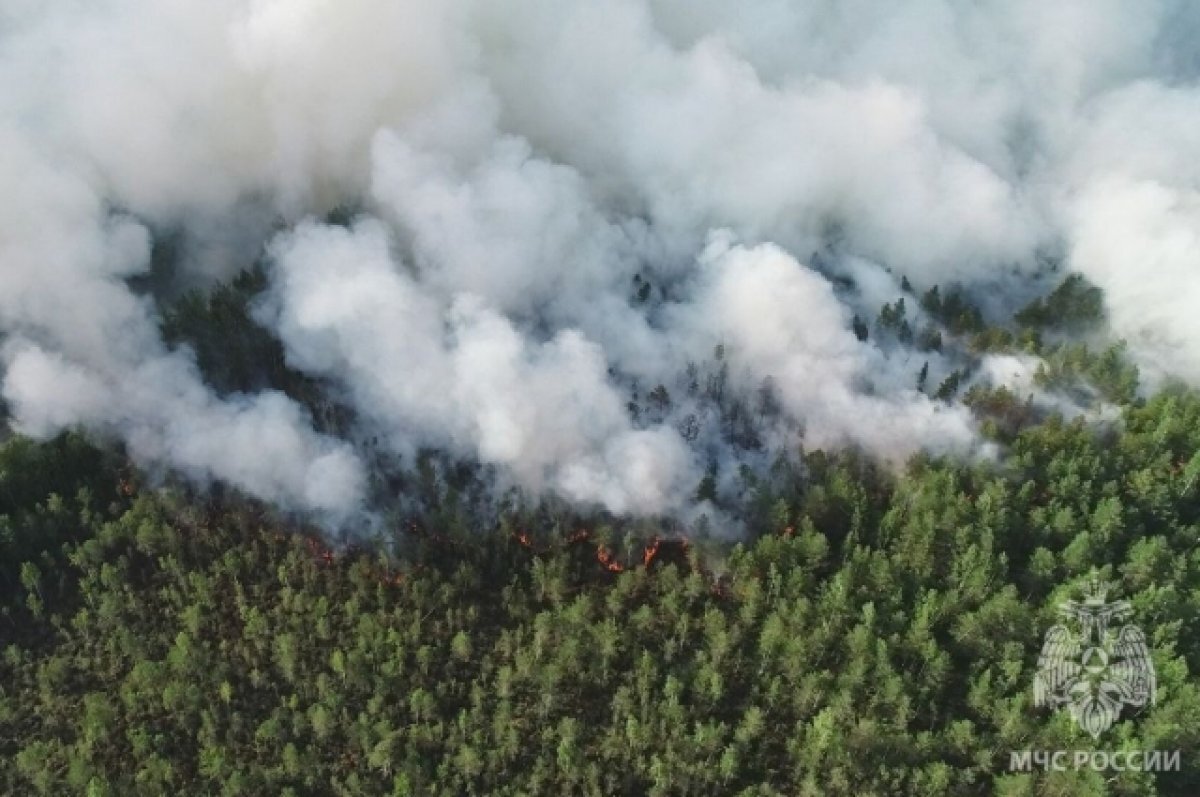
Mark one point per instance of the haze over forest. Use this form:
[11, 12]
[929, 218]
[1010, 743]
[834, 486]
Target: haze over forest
[487, 229]
[739, 387]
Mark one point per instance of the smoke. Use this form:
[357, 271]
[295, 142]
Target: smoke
[1135, 220]
[778, 318]
[603, 248]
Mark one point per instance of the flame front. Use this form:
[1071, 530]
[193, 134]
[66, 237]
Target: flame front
[605, 558]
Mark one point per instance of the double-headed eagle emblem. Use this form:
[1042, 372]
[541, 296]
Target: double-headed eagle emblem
[1091, 667]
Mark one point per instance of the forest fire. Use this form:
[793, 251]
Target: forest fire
[324, 556]
[643, 397]
[126, 483]
[320, 552]
[663, 551]
[605, 558]
[657, 552]
[651, 551]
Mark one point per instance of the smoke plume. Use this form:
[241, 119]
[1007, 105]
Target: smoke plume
[578, 229]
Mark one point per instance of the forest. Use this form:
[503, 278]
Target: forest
[647, 398]
[871, 631]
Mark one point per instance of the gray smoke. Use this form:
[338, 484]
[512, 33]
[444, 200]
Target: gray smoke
[567, 203]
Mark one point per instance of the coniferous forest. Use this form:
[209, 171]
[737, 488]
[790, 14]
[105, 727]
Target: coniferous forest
[645, 398]
[871, 631]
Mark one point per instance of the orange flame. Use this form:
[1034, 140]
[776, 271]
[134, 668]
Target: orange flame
[651, 551]
[605, 558]
[319, 552]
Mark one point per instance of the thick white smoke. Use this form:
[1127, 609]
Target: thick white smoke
[565, 203]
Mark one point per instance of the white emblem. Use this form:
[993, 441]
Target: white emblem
[1092, 668]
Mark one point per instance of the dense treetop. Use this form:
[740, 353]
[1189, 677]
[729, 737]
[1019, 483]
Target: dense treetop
[873, 632]
[876, 635]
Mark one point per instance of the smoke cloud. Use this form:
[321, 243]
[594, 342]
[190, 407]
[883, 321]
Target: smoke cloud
[582, 231]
